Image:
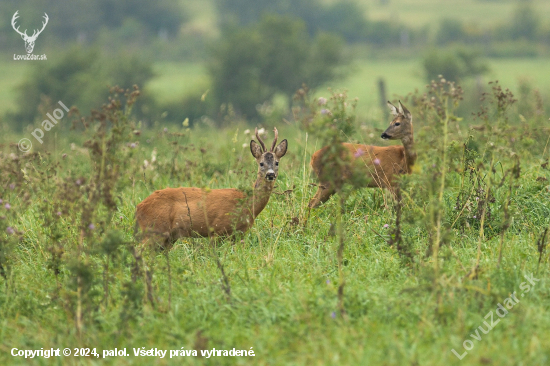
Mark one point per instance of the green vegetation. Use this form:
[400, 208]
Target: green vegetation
[13, 74]
[421, 13]
[245, 71]
[456, 65]
[174, 81]
[80, 77]
[91, 18]
[372, 276]
[72, 274]
[251, 65]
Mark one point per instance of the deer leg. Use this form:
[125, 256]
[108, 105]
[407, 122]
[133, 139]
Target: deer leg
[234, 238]
[156, 240]
[324, 192]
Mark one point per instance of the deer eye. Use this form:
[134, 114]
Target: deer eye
[261, 164]
[397, 123]
[277, 163]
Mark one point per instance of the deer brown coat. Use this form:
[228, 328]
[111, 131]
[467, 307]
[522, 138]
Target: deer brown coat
[172, 213]
[367, 165]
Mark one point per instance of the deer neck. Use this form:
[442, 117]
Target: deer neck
[260, 195]
[410, 152]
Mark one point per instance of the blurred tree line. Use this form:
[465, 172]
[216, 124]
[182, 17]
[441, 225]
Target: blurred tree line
[264, 50]
[460, 46]
[345, 18]
[519, 35]
[80, 77]
[276, 55]
[85, 20]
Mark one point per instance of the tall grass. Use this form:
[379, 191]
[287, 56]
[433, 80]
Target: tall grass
[473, 217]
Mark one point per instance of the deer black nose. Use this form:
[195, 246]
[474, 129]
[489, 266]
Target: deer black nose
[270, 175]
[385, 136]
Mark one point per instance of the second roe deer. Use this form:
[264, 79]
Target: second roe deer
[173, 213]
[376, 166]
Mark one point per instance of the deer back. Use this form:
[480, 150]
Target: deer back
[172, 213]
[370, 166]
[194, 212]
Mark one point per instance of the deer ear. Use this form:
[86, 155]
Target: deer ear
[255, 149]
[393, 109]
[280, 150]
[404, 110]
[400, 108]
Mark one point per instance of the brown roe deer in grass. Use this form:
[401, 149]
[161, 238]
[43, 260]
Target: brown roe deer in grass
[374, 166]
[173, 213]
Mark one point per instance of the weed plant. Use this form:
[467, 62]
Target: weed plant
[367, 278]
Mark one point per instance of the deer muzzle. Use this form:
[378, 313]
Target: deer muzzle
[385, 136]
[270, 175]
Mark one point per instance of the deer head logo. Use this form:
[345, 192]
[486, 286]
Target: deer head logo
[29, 41]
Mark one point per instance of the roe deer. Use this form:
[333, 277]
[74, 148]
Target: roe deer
[173, 213]
[379, 165]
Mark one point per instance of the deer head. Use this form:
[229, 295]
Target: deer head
[401, 125]
[268, 161]
[29, 41]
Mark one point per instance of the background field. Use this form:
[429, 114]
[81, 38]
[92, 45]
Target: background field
[418, 13]
[174, 80]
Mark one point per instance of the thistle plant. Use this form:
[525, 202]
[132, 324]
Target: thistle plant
[437, 107]
[332, 121]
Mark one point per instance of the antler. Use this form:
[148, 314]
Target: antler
[274, 141]
[34, 35]
[260, 140]
[13, 19]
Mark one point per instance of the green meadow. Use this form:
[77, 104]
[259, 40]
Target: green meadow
[420, 13]
[174, 81]
[449, 267]
[74, 274]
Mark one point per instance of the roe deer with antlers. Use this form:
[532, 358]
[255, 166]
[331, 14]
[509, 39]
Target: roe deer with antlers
[378, 165]
[173, 213]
